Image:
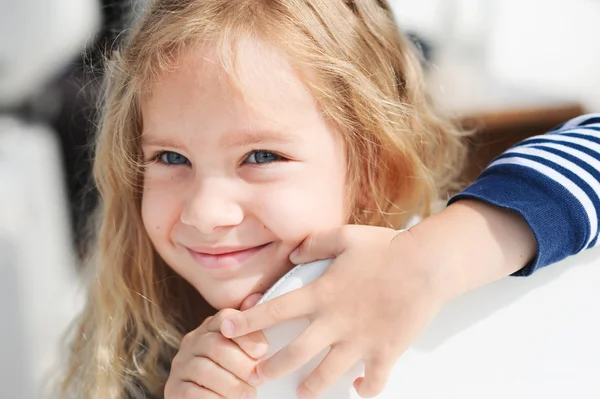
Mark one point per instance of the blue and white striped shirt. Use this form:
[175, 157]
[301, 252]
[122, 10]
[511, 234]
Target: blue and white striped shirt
[553, 181]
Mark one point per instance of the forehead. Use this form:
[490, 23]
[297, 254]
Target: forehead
[252, 78]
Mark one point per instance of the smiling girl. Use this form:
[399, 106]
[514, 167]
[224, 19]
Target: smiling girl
[231, 131]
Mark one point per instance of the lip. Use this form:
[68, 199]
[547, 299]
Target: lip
[217, 258]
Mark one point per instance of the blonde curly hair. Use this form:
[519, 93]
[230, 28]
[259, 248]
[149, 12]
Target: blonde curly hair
[368, 82]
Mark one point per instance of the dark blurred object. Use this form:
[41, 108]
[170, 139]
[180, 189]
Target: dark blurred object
[424, 46]
[499, 112]
[78, 90]
[498, 130]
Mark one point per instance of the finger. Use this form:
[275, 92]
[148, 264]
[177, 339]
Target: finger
[295, 304]
[186, 389]
[208, 374]
[325, 244]
[377, 372]
[250, 301]
[337, 362]
[254, 344]
[299, 352]
[226, 354]
[213, 323]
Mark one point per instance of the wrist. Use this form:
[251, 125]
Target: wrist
[471, 243]
[416, 248]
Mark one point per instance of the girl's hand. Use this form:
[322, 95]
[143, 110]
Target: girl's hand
[370, 305]
[384, 288]
[208, 365]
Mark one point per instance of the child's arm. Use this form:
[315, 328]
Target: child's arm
[553, 182]
[471, 244]
[518, 216]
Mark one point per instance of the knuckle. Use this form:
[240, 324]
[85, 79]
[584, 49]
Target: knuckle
[176, 362]
[187, 340]
[235, 389]
[325, 289]
[189, 391]
[323, 292]
[180, 390]
[200, 367]
[216, 348]
[238, 389]
[275, 310]
[207, 320]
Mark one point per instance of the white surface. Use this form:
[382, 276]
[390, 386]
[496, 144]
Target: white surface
[38, 39]
[554, 48]
[549, 47]
[281, 335]
[38, 296]
[519, 338]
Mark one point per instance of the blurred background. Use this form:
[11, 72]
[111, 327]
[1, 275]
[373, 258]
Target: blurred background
[510, 69]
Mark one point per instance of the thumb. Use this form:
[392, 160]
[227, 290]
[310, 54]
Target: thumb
[319, 246]
[250, 301]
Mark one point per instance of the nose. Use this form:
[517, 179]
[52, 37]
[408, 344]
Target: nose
[212, 205]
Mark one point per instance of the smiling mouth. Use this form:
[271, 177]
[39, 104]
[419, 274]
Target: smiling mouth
[225, 260]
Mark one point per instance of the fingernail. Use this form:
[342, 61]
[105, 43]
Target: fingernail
[227, 328]
[249, 395]
[294, 253]
[303, 395]
[260, 349]
[257, 378]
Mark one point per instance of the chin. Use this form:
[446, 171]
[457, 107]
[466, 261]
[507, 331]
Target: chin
[231, 294]
[220, 302]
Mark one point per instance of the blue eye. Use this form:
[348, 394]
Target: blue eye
[262, 156]
[173, 158]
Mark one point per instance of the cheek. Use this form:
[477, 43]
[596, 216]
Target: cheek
[297, 210]
[159, 214]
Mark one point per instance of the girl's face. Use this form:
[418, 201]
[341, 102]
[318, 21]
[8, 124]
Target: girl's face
[231, 189]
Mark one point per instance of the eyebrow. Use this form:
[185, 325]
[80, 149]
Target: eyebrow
[151, 140]
[253, 138]
[230, 140]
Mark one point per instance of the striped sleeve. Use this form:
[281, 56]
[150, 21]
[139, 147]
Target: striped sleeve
[553, 182]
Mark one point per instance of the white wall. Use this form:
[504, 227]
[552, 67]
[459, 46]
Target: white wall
[39, 289]
[551, 46]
